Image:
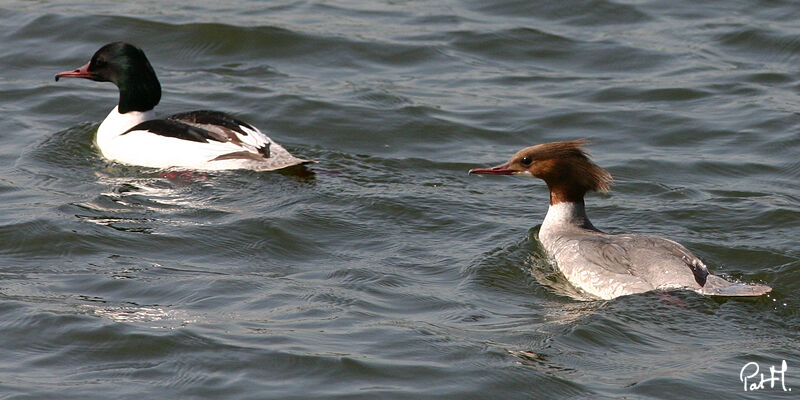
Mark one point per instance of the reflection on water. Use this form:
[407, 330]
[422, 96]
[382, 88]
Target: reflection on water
[139, 204]
[157, 317]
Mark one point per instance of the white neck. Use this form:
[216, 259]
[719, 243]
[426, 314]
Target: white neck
[116, 124]
[566, 215]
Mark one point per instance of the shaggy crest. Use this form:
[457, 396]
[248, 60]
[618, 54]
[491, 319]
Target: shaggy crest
[566, 162]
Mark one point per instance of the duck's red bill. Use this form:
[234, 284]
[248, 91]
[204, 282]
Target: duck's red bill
[498, 170]
[82, 72]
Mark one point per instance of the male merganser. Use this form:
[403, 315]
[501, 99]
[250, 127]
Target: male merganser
[208, 140]
[601, 264]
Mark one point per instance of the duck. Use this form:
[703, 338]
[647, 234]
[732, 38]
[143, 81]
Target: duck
[197, 140]
[599, 264]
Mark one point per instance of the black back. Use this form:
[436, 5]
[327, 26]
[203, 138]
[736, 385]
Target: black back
[213, 118]
[176, 129]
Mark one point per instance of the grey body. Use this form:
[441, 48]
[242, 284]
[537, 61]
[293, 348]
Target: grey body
[609, 266]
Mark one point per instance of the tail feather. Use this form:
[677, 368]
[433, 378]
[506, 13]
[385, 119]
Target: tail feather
[716, 286]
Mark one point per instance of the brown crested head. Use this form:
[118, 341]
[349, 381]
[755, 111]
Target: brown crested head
[564, 166]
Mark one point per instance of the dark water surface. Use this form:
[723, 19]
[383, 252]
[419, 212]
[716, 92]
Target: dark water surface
[390, 273]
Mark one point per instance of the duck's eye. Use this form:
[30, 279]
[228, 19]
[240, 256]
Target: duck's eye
[526, 160]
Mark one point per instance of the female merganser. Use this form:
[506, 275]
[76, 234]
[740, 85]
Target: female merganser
[208, 140]
[601, 264]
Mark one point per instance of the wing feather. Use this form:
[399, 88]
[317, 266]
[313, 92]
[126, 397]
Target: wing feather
[227, 128]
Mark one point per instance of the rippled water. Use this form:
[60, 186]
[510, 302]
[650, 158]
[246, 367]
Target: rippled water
[388, 272]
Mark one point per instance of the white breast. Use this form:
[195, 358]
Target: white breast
[144, 148]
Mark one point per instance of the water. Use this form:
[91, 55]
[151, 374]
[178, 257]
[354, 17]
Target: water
[389, 272]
